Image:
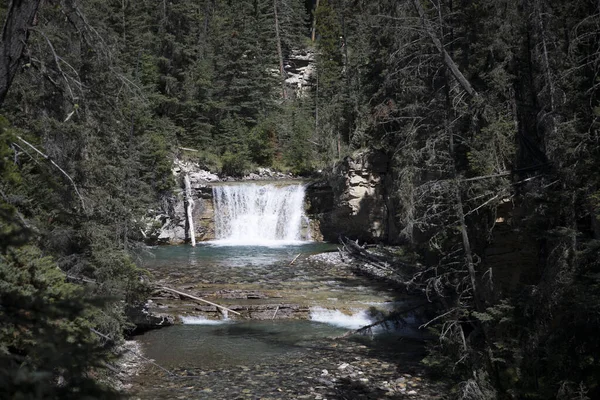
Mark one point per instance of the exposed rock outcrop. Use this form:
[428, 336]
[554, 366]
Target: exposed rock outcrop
[352, 200]
[168, 225]
[299, 69]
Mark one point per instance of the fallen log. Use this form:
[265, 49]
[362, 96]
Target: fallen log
[295, 258]
[198, 299]
[381, 261]
[395, 316]
[355, 250]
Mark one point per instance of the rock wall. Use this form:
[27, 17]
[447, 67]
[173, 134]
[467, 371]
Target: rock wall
[168, 224]
[351, 201]
[300, 70]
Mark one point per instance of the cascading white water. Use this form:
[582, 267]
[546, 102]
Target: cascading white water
[251, 214]
[337, 318]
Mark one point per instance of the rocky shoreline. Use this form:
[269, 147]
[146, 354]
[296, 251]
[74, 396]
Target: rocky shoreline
[353, 367]
[335, 369]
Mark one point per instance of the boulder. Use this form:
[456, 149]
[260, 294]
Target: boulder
[144, 320]
[171, 234]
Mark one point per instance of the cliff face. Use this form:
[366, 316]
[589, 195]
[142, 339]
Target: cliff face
[352, 201]
[168, 224]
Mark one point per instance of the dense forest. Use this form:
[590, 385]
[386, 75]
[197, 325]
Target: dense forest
[487, 110]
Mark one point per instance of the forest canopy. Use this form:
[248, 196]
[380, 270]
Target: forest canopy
[488, 111]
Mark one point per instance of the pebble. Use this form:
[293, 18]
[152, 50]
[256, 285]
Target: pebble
[318, 377]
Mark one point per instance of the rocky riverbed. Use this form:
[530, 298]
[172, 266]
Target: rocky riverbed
[330, 368]
[273, 350]
[259, 283]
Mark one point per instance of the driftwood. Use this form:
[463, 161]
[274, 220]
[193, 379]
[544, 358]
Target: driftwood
[360, 253]
[85, 280]
[198, 299]
[295, 258]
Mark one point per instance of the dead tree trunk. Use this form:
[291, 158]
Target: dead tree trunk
[462, 225]
[189, 207]
[448, 61]
[313, 34]
[19, 18]
[279, 51]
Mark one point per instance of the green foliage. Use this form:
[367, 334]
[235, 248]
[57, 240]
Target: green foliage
[263, 143]
[45, 336]
[330, 47]
[206, 160]
[297, 130]
[234, 165]
[134, 82]
[155, 160]
[7, 166]
[492, 149]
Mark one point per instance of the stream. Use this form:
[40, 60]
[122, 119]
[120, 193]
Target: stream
[294, 356]
[292, 306]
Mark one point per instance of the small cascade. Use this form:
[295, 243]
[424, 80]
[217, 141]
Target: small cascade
[202, 321]
[224, 314]
[339, 319]
[251, 214]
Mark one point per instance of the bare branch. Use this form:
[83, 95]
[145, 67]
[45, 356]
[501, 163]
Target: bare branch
[57, 166]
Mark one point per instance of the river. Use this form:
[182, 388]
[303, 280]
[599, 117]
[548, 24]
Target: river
[296, 301]
[286, 357]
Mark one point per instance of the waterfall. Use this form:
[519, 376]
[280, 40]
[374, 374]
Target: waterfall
[252, 214]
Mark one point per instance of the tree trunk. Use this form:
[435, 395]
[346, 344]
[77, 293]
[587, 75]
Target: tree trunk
[279, 51]
[467, 246]
[314, 24]
[19, 17]
[445, 56]
[189, 207]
